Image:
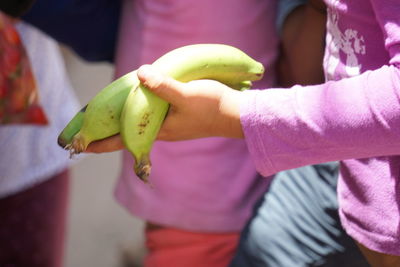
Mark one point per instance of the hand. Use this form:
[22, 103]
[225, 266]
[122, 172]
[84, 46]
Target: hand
[198, 109]
[110, 144]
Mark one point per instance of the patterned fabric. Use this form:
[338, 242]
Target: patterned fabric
[30, 154]
[18, 91]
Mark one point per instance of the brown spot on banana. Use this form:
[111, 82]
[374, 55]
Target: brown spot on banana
[144, 122]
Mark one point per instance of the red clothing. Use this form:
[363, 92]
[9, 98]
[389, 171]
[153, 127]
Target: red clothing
[32, 224]
[170, 247]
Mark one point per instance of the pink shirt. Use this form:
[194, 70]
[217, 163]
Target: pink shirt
[355, 115]
[207, 184]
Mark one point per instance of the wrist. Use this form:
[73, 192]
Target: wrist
[229, 110]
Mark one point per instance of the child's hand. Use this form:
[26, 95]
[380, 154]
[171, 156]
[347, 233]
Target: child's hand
[198, 109]
[109, 144]
[201, 108]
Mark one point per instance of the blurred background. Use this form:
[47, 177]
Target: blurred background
[100, 232]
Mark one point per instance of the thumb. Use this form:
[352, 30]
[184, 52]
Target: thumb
[163, 86]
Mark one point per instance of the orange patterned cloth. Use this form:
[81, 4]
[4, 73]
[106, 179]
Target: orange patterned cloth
[18, 91]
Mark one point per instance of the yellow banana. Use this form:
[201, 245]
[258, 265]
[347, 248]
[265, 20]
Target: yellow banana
[143, 112]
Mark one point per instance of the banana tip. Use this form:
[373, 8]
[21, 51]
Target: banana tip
[62, 142]
[143, 169]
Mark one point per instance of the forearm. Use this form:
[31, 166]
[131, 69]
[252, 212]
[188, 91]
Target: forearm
[351, 118]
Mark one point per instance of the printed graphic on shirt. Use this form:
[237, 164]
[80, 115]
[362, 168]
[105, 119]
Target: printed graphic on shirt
[347, 43]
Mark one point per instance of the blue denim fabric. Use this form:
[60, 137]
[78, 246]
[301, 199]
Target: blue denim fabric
[296, 224]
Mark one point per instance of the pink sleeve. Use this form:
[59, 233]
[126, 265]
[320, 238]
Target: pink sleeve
[353, 118]
[357, 119]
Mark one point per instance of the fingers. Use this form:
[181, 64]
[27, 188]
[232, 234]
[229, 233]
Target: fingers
[109, 144]
[165, 87]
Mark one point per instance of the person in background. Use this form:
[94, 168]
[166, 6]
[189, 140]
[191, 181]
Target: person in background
[296, 222]
[182, 228]
[353, 117]
[193, 233]
[170, 236]
[34, 171]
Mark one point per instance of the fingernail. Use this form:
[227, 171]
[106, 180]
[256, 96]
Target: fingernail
[145, 72]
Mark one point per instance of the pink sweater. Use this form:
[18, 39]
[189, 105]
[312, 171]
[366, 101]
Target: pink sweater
[355, 115]
[208, 184]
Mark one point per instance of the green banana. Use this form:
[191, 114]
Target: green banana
[65, 138]
[74, 125]
[143, 112]
[103, 111]
[105, 108]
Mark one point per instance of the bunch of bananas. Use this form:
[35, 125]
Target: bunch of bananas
[125, 106]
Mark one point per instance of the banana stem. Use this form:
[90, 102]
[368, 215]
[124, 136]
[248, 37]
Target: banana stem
[79, 144]
[143, 167]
